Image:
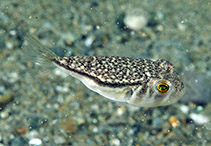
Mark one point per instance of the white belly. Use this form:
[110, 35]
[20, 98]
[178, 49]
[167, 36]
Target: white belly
[113, 93]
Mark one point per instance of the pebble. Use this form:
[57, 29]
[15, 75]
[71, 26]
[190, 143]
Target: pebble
[59, 140]
[12, 32]
[94, 121]
[199, 118]
[115, 142]
[121, 110]
[160, 28]
[69, 126]
[32, 134]
[184, 109]
[157, 123]
[46, 25]
[68, 38]
[35, 142]
[79, 120]
[9, 45]
[5, 99]
[159, 15]
[95, 107]
[4, 115]
[95, 130]
[22, 130]
[199, 108]
[181, 27]
[136, 20]
[61, 89]
[13, 77]
[88, 42]
[174, 121]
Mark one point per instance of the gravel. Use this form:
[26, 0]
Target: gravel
[42, 105]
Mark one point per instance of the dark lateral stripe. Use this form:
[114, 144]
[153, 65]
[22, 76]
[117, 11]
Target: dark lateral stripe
[96, 79]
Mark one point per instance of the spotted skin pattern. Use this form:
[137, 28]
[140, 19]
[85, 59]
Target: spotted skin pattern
[118, 71]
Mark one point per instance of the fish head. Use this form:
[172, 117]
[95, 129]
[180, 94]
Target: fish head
[162, 87]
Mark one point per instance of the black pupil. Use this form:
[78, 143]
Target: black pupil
[163, 87]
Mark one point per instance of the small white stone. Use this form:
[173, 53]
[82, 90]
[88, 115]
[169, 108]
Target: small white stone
[9, 45]
[120, 111]
[181, 27]
[199, 119]
[88, 42]
[56, 106]
[160, 15]
[136, 20]
[32, 134]
[95, 129]
[184, 109]
[61, 88]
[54, 122]
[98, 27]
[95, 107]
[80, 121]
[12, 136]
[35, 141]
[115, 142]
[13, 32]
[4, 115]
[160, 28]
[13, 75]
[59, 140]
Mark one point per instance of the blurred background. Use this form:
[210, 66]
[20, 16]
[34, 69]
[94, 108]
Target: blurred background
[42, 105]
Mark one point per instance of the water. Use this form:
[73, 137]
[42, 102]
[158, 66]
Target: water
[44, 106]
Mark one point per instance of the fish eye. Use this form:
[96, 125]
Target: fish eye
[162, 87]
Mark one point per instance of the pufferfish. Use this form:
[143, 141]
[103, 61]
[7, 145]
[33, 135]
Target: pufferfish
[139, 82]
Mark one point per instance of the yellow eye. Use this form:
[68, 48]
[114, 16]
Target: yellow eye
[162, 87]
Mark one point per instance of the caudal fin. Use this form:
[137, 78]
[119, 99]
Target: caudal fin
[34, 51]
